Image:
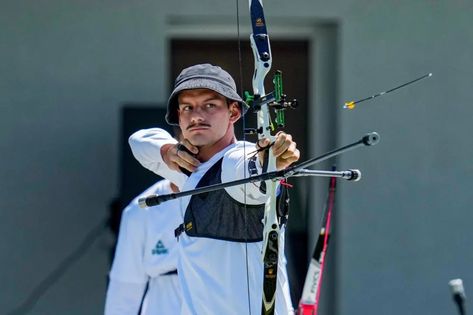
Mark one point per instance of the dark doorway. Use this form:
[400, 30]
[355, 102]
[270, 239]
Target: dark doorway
[291, 57]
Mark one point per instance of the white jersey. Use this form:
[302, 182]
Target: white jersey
[146, 254]
[217, 276]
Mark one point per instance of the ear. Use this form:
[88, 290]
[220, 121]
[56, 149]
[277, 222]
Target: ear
[235, 112]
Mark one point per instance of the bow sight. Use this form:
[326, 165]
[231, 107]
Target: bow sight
[276, 100]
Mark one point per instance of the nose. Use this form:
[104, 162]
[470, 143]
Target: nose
[197, 115]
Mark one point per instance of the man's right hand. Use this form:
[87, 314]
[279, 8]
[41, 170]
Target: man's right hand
[180, 155]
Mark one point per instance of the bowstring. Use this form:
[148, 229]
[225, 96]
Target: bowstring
[240, 68]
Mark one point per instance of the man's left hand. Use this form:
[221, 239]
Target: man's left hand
[284, 149]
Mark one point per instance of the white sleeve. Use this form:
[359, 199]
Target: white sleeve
[235, 166]
[127, 276]
[146, 148]
[123, 298]
[128, 261]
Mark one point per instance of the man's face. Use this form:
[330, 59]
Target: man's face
[205, 117]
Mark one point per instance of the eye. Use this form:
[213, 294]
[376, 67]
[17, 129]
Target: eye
[185, 108]
[210, 105]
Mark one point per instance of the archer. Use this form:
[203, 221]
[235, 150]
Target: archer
[220, 267]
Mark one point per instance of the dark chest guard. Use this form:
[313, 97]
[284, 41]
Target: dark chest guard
[217, 215]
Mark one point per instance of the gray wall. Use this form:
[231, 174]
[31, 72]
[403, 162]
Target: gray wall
[402, 232]
[406, 229]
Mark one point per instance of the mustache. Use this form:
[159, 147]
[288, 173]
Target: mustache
[197, 125]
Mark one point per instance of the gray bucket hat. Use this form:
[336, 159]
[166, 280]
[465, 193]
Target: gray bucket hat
[203, 76]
